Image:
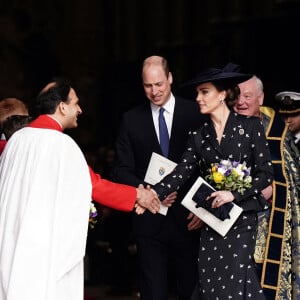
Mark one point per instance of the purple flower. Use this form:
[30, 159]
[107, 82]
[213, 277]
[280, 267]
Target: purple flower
[235, 164]
[227, 172]
[246, 172]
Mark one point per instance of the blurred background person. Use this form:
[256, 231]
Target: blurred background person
[9, 107]
[14, 123]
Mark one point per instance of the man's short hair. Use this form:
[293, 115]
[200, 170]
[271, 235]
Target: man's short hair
[48, 99]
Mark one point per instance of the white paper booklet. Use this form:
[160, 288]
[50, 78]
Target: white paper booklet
[158, 167]
[222, 227]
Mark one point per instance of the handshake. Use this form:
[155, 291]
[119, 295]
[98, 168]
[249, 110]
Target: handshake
[147, 198]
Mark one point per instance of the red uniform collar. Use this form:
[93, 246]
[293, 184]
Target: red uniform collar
[46, 122]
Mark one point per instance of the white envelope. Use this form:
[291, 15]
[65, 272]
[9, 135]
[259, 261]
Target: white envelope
[158, 167]
[222, 227]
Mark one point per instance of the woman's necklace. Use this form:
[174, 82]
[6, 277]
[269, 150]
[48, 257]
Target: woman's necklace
[219, 125]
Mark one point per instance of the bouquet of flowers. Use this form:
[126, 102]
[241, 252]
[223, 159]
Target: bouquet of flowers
[93, 215]
[230, 175]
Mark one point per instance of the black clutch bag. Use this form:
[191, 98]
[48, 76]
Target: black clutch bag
[202, 193]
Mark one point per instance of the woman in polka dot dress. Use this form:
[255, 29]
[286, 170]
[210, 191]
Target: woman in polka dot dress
[225, 264]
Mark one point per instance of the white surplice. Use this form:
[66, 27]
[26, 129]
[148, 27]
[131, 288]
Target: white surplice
[45, 194]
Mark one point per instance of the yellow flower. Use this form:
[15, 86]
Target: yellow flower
[218, 177]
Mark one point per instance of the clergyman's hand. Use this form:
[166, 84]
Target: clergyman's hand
[147, 199]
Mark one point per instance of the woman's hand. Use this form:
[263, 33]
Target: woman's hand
[220, 198]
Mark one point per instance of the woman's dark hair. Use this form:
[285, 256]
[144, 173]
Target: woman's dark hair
[232, 91]
[48, 99]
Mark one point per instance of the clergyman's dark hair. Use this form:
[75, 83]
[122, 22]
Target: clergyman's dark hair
[48, 99]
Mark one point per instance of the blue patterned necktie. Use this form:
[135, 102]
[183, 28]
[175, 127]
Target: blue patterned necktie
[163, 133]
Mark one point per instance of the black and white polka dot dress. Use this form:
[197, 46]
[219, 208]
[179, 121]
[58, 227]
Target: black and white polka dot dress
[225, 264]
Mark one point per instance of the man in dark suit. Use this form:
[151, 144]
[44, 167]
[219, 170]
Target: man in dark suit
[160, 239]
